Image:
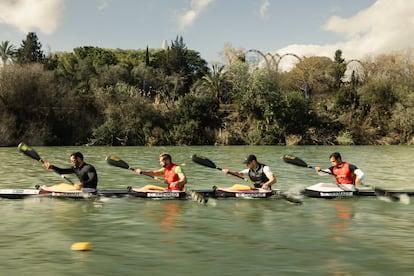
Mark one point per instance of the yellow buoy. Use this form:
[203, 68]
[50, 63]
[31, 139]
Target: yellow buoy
[81, 246]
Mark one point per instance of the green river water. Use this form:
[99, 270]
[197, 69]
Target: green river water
[133, 236]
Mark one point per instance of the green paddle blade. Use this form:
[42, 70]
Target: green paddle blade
[116, 162]
[28, 151]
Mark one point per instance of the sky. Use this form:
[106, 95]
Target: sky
[360, 28]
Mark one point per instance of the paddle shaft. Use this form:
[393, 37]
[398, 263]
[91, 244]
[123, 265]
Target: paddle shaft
[291, 159]
[204, 161]
[116, 162]
[153, 177]
[236, 175]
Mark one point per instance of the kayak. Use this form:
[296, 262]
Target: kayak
[237, 191]
[18, 193]
[24, 193]
[148, 191]
[332, 190]
[153, 191]
[241, 191]
[64, 190]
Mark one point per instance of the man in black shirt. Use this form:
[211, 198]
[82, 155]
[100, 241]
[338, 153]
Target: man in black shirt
[85, 172]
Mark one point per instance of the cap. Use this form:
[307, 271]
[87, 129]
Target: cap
[249, 159]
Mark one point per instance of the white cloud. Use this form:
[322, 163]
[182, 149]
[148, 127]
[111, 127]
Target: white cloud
[26, 15]
[188, 18]
[383, 28]
[103, 4]
[264, 8]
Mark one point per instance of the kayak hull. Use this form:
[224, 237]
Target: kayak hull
[158, 194]
[130, 192]
[320, 190]
[331, 190]
[18, 193]
[24, 193]
[248, 194]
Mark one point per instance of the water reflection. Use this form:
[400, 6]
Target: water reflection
[343, 217]
[166, 214]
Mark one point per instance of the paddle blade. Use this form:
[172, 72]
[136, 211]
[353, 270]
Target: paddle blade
[196, 196]
[116, 162]
[28, 151]
[204, 161]
[291, 159]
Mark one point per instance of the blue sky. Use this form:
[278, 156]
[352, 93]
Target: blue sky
[304, 27]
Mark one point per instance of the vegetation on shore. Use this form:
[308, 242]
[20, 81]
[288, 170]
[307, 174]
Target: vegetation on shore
[171, 96]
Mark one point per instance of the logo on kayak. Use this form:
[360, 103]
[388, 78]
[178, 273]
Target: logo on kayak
[251, 195]
[167, 194]
[72, 194]
[19, 191]
[339, 194]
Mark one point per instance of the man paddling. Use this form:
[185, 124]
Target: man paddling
[85, 172]
[347, 175]
[259, 173]
[174, 175]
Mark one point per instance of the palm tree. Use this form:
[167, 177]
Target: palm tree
[7, 51]
[215, 82]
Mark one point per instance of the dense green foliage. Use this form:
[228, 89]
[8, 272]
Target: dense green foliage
[171, 96]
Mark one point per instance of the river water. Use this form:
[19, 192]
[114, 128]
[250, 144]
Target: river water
[132, 236]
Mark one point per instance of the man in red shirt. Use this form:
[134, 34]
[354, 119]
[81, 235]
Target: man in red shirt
[347, 175]
[174, 175]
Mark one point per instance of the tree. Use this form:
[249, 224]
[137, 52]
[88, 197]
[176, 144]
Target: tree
[214, 82]
[147, 59]
[30, 50]
[315, 70]
[85, 65]
[339, 69]
[193, 121]
[7, 51]
[185, 66]
[233, 55]
[24, 101]
[135, 123]
[177, 56]
[186, 63]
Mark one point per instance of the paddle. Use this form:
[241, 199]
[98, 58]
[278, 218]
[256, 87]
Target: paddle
[28, 151]
[117, 162]
[204, 161]
[291, 159]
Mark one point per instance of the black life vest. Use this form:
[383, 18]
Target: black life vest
[258, 176]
